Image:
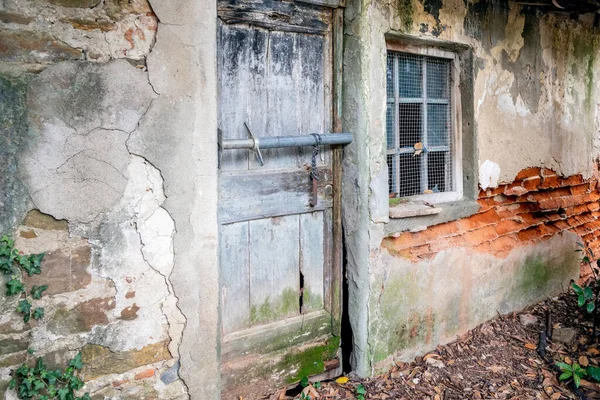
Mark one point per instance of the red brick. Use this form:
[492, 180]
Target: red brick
[590, 197]
[447, 242]
[539, 196]
[492, 191]
[530, 219]
[562, 224]
[579, 189]
[504, 244]
[500, 199]
[528, 173]
[593, 206]
[149, 373]
[561, 192]
[579, 209]
[485, 204]
[419, 251]
[403, 241]
[581, 230]
[547, 172]
[479, 220]
[551, 204]
[572, 180]
[515, 190]
[442, 230]
[532, 234]
[481, 235]
[508, 226]
[550, 182]
[531, 183]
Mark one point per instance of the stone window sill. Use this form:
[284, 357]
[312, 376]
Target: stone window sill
[416, 216]
[413, 209]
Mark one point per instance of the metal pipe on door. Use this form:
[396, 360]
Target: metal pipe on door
[286, 141]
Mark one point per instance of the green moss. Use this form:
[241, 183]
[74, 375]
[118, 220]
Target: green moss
[536, 274]
[405, 11]
[284, 304]
[310, 361]
[396, 201]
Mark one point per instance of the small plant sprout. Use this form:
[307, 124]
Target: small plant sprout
[361, 392]
[574, 371]
[589, 296]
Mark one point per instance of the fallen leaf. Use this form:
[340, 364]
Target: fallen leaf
[430, 355]
[568, 360]
[310, 391]
[495, 368]
[555, 396]
[583, 361]
[342, 379]
[593, 351]
[530, 346]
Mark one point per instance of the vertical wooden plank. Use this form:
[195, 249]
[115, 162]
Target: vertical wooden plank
[328, 258]
[312, 83]
[242, 92]
[235, 277]
[338, 65]
[296, 101]
[312, 260]
[274, 269]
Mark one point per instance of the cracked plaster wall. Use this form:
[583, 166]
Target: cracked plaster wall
[534, 85]
[111, 121]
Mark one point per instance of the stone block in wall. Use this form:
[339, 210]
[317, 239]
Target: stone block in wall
[75, 3]
[81, 318]
[10, 345]
[63, 270]
[15, 18]
[13, 359]
[14, 200]
[116, 9]
[100, 360]
[35, 47]
[37, 219]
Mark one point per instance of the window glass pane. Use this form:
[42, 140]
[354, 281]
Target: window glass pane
[391, 137]
[410, 75]
[438, 78]
[439, 171]
[410, 175]
[390, 75]
[409, 124]
[438, 125]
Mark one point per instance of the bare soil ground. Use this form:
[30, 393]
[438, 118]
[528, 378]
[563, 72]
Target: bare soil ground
[500, 359]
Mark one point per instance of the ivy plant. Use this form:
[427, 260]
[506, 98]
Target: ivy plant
[38, 383]
[14, 265]
[32, 380]
[588, 297]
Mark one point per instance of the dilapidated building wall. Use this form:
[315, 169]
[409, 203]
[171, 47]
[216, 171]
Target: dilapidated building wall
[527, 114]
[108, 158]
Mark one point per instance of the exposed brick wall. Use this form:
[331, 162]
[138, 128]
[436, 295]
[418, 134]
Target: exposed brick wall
[536, 206]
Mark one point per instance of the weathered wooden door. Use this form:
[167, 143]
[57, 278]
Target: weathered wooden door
[280, 276]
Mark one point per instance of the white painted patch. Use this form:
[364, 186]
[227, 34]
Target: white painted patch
[489, 174]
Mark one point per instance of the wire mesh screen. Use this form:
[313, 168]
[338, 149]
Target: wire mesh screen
[419, 124]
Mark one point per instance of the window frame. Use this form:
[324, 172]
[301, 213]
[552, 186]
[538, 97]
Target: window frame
[455, 112]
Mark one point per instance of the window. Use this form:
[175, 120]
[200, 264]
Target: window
[423, 140]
